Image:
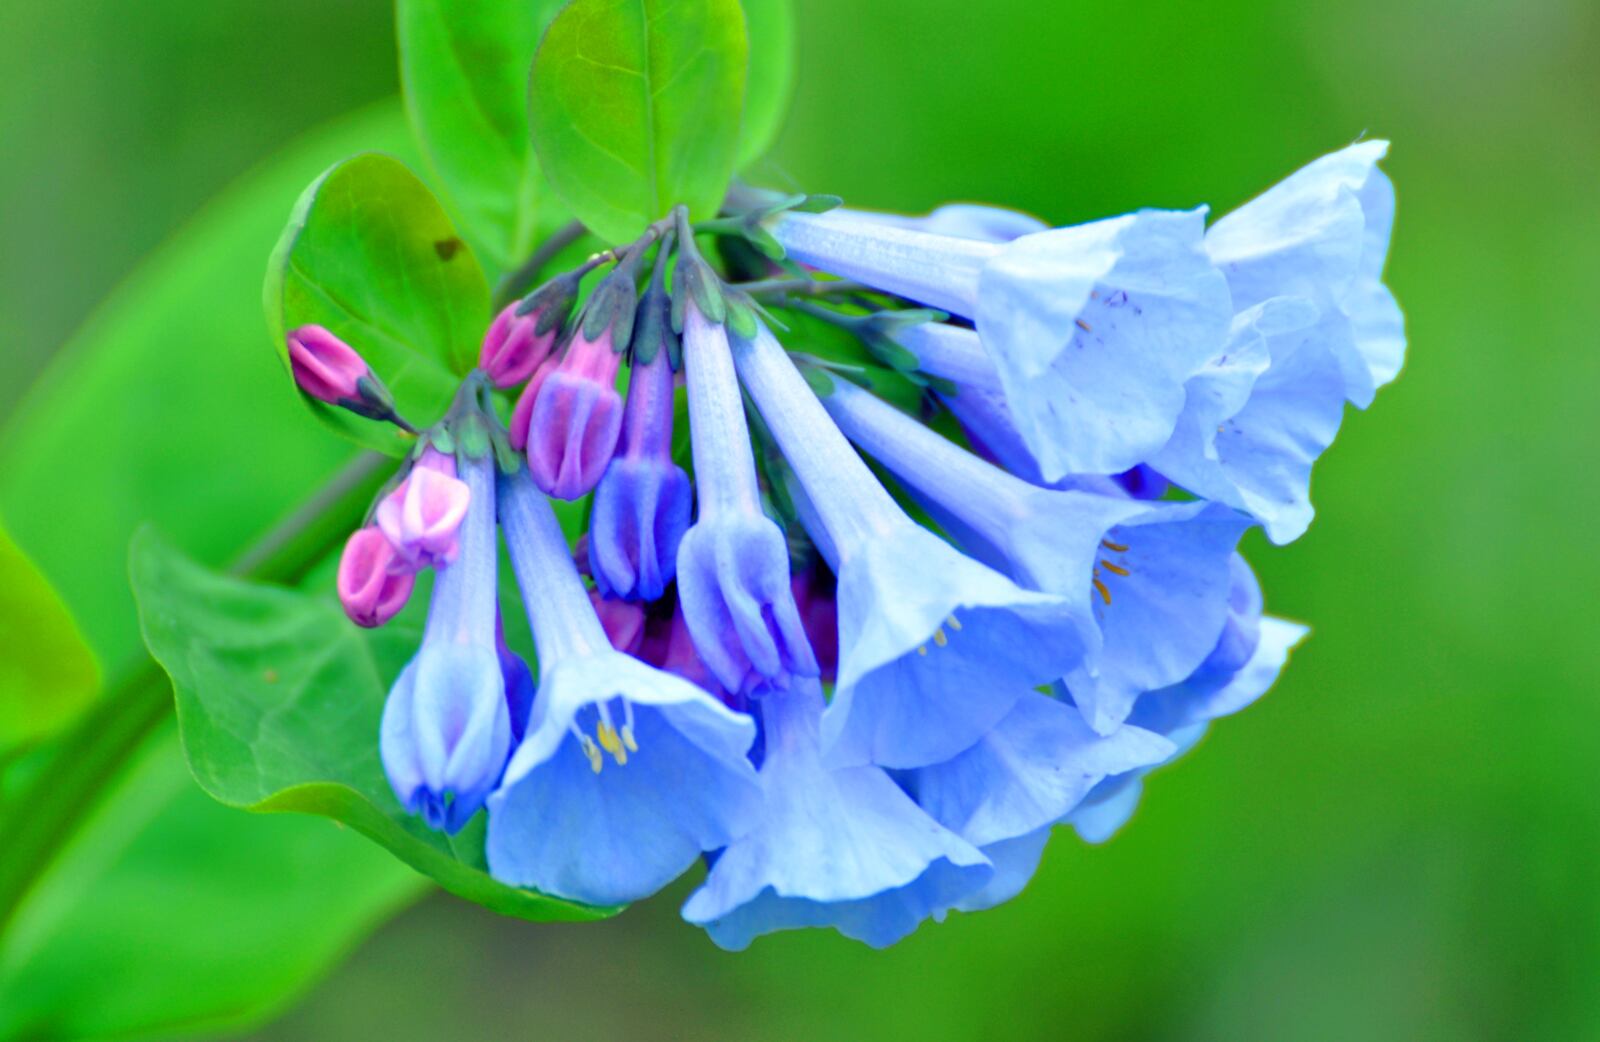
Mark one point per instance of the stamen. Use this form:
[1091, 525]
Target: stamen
[1116, 548]
[1114, 569]
[607, 734]
[627, 727]
[953, 623]
[1105, 594]
[588, 746]
[922, 649]
[1081, 324]
[939, 638]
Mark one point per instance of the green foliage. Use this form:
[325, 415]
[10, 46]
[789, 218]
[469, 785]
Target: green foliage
[464, 65]
[279, 699]
[370, 254]
[770, 26]
[163, 909]
[171, 913]
[47, 673]
[635, 107]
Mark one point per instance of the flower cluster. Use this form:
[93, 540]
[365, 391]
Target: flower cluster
[864, 693]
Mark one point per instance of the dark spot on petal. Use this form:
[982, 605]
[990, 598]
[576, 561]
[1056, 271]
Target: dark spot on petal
[448, 248]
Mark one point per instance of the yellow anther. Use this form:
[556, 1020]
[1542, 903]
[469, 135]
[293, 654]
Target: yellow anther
[627, 738]
[1081, 324]
[608, 737]
[939, 638]
[1116, 548]
[1105, 594]
[922, 649]
[1114, 569]
[596, 761]
[953, 623]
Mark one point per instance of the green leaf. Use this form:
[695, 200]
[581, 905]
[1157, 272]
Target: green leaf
[279, 700]
[370, 254]
[770, 25]
[464, 65]
[47, 674]
[164, 407]
[171, 913]
[635, 108]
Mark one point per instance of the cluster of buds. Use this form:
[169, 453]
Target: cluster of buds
[871, 692]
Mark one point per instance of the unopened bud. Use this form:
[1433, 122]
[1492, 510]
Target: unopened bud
[374, 584]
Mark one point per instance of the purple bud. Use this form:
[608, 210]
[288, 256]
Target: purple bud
[514, 346]
[325, 367]
[422, 517]
[623, 621]
[374, 584]
[641, 506]
[576, 419]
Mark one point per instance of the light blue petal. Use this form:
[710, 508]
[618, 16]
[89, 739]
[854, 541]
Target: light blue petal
[1163, 618]
[1097, 820]
[1015, 861]
[903, 698]
[964, 220]
[836, 847]
[1323, 234]
[1094, 331]
[1028, 772]
[1258, 458]
[1182, 705]
[620, 833]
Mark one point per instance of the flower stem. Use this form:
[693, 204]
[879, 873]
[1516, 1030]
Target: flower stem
[515, 283]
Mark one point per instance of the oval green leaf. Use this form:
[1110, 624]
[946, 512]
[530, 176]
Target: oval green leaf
[464, 65]
[635, 107]
[47, 674]
[279, 701]
[370, 254]
[770, 26]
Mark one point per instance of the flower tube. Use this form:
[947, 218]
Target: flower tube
[934, 648]
[680, 783]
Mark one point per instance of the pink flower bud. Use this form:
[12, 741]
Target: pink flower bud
[422, 517]
[326, 367]
[572, 431]
[513, 347]
[623, 621]
[373, 583]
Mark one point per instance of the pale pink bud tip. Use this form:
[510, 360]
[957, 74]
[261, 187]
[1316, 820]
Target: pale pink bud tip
[373, 584]
[513, 347]
[324, 366]
[422, 517]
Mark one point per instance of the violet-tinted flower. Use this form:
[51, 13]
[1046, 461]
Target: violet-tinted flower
[1145, 583]
[840, 847]
[733, 565]
[516, 344]
[623, 621]
[1033, 769]
[934, 648]
[1322, 235]
[447, 724]
[642, 504]
[562, 821]
[374, 583]
[423, 515]
[1093, 330]
[1247, 659]
[520, 686]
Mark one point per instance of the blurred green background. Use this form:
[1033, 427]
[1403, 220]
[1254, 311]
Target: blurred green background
[1401, 841]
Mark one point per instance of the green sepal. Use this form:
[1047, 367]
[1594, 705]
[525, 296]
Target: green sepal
[819, 380]
[442, 440]
[938, 384]
[818, 204]
[472, 437]
[615, 302]
[553, 301]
